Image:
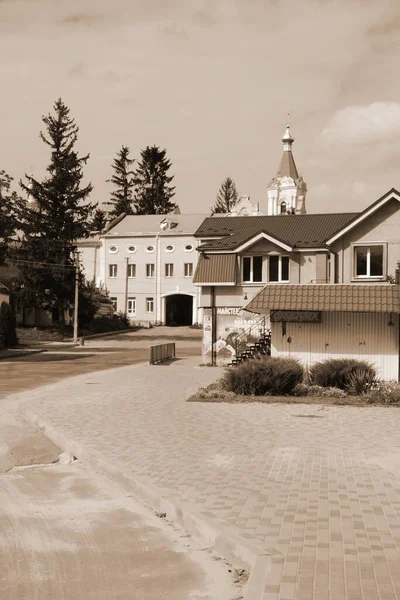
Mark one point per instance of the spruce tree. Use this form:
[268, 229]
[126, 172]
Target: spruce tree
[226, 198]
[99, 220]
[153, 191]
[11, 206]
[122, 196]
[57, 215]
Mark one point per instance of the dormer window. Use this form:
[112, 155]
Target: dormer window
[252, 269]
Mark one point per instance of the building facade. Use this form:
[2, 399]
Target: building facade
[147, 263]
[325, 285]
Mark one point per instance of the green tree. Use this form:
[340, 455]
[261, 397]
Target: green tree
[122, 196]
[153, 191]
[99, 220]
[56, 217]
[226, 198]
[11, 206]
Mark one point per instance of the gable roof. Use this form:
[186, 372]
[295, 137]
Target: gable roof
[360, 217]
[150, 224]
[296, 231]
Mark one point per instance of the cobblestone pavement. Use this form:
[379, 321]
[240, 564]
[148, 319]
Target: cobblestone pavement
[318, 486]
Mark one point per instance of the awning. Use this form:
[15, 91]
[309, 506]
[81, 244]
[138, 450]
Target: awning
[382, 298]
[216, 269]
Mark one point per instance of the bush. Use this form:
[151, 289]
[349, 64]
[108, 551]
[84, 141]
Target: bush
[302, 389]
[8, 335]
[342, 373]
[268, 375]
[383, 392]
[359, 381]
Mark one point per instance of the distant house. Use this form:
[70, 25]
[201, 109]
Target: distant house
[322, 283]
[146, 263]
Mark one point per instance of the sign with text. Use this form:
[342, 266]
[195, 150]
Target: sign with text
[295, 316]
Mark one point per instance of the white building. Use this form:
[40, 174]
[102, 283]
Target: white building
[146, 263]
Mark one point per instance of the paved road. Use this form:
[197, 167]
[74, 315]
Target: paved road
[319, 488]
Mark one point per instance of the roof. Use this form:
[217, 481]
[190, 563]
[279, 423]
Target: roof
[297, 231]
[214, 268]
[287, 166]
[150, 224]
[336, 297]
[392, 194]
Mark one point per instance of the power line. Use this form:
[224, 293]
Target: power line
[40, 262]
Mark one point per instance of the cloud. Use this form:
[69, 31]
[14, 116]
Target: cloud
[86, 19]
[363, 124]
[81, 71]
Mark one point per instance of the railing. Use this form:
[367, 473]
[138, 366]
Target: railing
[161, 352]
[252, 334]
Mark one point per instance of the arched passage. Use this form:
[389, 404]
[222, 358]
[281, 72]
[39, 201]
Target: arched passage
[178, 310]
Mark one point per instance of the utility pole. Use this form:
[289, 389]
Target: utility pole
[76, 304]
[126, 285]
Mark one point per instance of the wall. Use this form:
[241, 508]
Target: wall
[382, 226]
[340, 335]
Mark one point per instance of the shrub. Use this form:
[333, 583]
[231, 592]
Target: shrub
[382, 392]
[8, 336]
[335, 372]
[359, 381]
[268, 375]
[302, 389]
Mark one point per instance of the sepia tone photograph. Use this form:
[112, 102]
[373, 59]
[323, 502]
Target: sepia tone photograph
[199, 300]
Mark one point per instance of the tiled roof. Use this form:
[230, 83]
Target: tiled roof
[287, 166]
[349, 298]
[150, 224]
[215, 268]
[298, 231]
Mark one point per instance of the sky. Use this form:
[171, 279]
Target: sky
[212, 82]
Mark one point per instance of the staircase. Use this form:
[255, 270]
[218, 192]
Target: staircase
[252, 343]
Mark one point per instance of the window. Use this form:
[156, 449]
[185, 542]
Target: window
[150, 305]
[252, 268]
[149, 248]
[114, 303]
[169, 248]
[150, 270]
[131, 248]
[278, 268]
[169, 269]
[188, 269]
[188, 248]
[131, 271]
[131, 306]
[112, 270]
[283, 208]
[113, 249]
[368, 261]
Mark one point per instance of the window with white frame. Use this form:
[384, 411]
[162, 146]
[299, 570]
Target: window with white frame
[112, 270]
[131, 248]
[150, 270]
[150, 248]
[131, 271]
[252, 269]
[188, 248]
[169, 269]
[368, 260]
[114, 303]
[188, 269]
[113, 249]
[278, 269]
[131, 306]
[169, 248]
[150, 305]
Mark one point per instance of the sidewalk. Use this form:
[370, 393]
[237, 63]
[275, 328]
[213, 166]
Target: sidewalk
[317, 489]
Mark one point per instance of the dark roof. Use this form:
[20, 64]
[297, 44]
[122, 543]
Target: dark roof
[214, 268]
[287, 166]
[297, 231]
[349, 298]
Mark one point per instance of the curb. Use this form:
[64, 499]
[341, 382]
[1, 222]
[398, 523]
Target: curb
[225, 541]
[94, 336]
[19, 353]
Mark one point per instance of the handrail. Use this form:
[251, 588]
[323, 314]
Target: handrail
[258, 328]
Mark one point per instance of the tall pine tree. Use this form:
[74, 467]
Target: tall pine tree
[11, 206]
[99, 220]
[122, 180]
[153, 191]
[226, 198]
[57, 215]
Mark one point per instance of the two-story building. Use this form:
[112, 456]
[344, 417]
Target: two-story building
[146, 263]
[324, 282]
